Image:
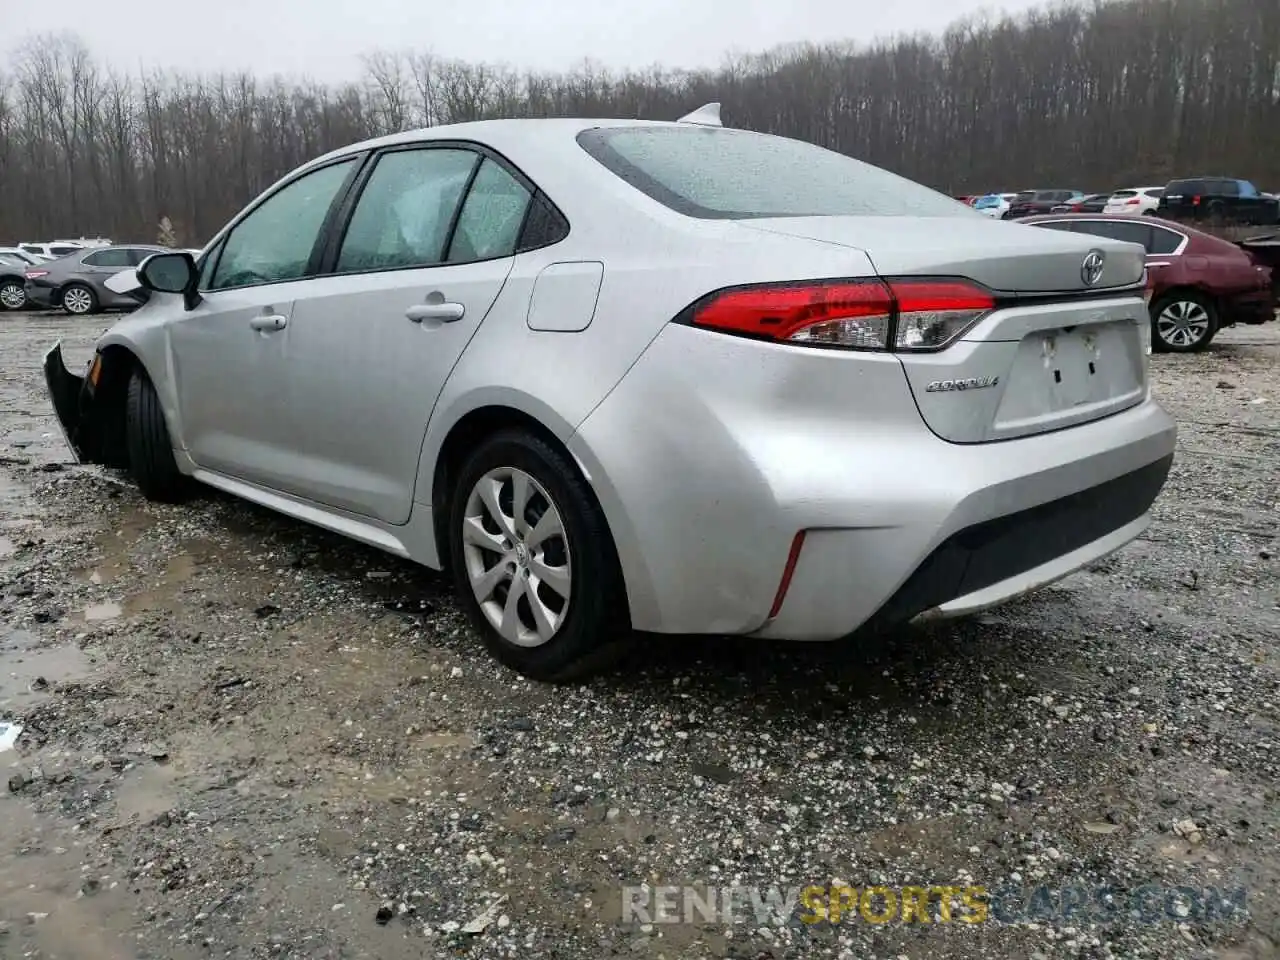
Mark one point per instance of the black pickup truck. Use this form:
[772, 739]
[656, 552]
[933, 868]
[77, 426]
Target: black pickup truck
[1217, 199]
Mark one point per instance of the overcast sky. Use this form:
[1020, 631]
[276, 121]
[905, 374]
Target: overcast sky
[324, 39]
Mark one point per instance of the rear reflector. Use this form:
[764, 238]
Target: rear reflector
[863, 314]
[788, 571]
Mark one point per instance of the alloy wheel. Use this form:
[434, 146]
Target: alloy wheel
[517, 556]
[1183, 323]
[12, 296]
[77, 300]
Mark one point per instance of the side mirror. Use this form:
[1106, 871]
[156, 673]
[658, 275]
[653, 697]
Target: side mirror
[171, 273]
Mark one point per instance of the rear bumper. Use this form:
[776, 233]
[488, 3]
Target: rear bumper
[709, 458]
[1254, 307]
[40, 295]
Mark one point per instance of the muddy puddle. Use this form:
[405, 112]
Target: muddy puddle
[29, 671]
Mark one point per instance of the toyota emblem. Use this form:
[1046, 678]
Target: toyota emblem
[1091, 269]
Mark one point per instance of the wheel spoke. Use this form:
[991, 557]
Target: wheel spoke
[486, 582]
[489, 490]
[557, 578]
[473, 532]
[519, 500]
[510, 626]
[545, 621]
[548, 526]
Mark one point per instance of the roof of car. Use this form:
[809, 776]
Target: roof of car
[551, 128]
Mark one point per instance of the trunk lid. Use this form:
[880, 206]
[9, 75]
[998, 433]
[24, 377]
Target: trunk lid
[1056, 351]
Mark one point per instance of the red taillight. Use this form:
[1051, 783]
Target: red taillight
[1149, 287]
[1131, 203]
[853, 313]
[911, 315]
[33, 274]
[1195, 201]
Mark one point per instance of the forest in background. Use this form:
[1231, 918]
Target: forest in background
[1090, 96]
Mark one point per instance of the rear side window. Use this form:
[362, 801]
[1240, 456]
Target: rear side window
[491, 218]
[403, 216]
[1164, 241]
[1024, 196]
[1154, 192]
[108, 258]
[64, 251]
[716, 173]
[1117, 230]
[1066, 226]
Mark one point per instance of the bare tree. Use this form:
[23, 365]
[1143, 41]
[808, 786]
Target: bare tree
[1093, 94]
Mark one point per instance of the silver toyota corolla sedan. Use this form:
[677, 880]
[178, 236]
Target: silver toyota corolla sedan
[668, 377]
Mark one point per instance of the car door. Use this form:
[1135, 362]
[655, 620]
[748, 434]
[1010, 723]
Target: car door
[99, 266]
[228, 353]
[428, 245]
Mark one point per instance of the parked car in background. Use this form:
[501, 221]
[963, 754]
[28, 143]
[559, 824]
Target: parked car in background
[13, 294]
[993, 204]
[32, 258]
[53, 249]
[1090, 203]
[1030, 202]
[1199, 283]
[1131, 200]
[76, 282]
[661, 376]
[1218, 199]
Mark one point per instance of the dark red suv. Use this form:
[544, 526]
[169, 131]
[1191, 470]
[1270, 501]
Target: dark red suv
[1200, 283]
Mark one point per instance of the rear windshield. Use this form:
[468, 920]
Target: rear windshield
[1125, 193]
[716, 173]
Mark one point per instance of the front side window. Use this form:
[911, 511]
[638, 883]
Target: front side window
[1247, 189]
[404, 213]
[109, 258]
[718, 173]
[491, 217]
[275, 241]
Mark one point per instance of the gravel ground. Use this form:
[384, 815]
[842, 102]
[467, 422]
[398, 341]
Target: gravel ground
[247, 738]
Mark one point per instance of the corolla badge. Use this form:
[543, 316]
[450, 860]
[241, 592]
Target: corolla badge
[967, 383]
[1091, 269]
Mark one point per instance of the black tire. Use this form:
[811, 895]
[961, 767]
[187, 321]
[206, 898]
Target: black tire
[13, 294]
[596, 623]
[80, 290]
[1160, 343]
[151, 461]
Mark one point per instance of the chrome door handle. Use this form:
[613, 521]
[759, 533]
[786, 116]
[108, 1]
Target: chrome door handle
[445, 312]
[268, 322]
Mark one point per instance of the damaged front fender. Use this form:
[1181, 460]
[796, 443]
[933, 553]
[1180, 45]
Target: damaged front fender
[89, 409]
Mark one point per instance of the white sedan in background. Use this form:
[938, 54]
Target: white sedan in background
[1135, 200]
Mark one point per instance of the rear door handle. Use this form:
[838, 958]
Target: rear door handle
[446, 312]
[268, 322]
